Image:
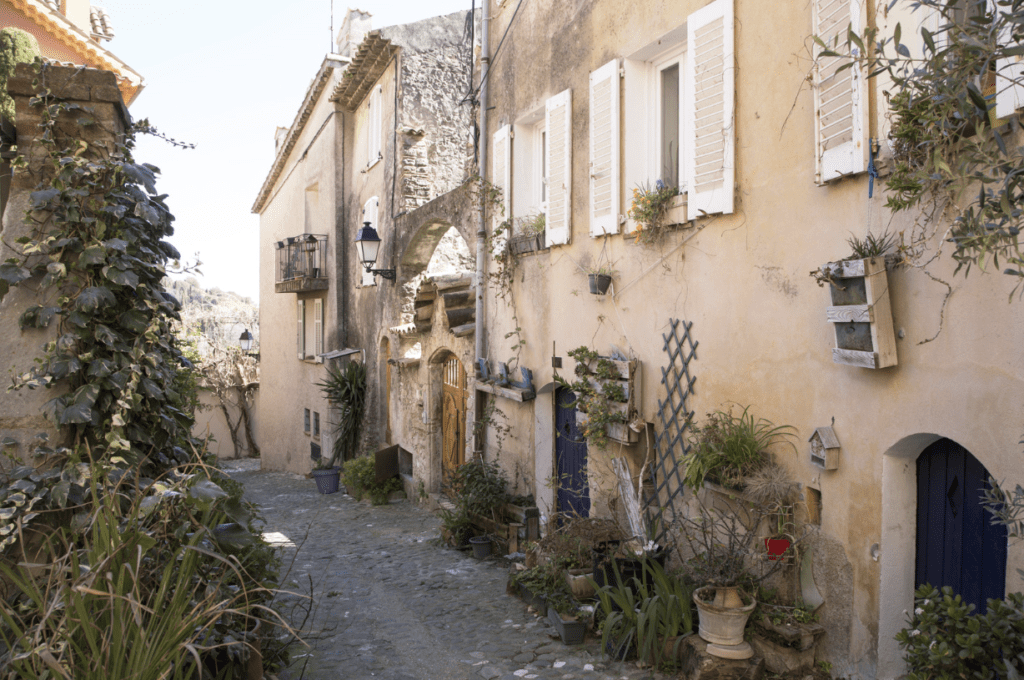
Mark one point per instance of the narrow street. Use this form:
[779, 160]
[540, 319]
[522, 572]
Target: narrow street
[388, 602]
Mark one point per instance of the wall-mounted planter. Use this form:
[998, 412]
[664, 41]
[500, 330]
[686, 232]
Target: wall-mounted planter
[860, 313]
[675, 213]
[599, 283]
[526, 243]
[629, 378]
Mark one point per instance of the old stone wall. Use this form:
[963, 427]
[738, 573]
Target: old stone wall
[100, 121]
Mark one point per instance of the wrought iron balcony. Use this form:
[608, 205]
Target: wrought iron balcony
[301, 264]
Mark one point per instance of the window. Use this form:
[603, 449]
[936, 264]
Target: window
[558, 163]
[370, 214]
[305, 421]
[318, 330]
[529, 169]
[316, 423]
[374, 126]
[301, 337]
[679, 112]
[840, 97]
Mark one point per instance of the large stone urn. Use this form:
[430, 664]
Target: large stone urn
[723, 618]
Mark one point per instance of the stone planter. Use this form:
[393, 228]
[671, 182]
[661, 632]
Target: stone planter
[722, 625]
[796, 654]
[570, 630]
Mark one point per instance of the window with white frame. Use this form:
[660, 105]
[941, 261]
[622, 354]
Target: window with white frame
[374, 126]
[679, 113]
[529, 168]
[371, 212]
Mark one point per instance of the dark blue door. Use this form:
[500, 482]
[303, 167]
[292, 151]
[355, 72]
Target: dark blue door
[957, 544]
[570, 458]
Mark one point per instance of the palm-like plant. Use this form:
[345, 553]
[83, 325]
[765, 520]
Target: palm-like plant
[346, 390]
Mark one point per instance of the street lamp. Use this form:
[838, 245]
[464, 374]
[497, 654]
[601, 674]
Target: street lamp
[245, 342]
[368, 244]
[309, 247]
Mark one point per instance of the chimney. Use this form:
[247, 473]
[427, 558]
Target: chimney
[353, 29]
[279, 136]
[78, 13]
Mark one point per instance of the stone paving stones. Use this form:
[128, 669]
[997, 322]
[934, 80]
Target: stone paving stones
[389, 603]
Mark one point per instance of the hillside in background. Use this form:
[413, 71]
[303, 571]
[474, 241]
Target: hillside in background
[219, 316]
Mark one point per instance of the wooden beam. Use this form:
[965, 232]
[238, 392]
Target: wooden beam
[513, 393]
[852, 357]
[848, 313]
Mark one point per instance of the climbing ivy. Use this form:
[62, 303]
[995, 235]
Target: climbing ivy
[95, 257]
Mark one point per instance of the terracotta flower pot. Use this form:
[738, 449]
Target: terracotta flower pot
[722, 624]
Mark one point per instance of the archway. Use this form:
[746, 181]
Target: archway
[899, 544]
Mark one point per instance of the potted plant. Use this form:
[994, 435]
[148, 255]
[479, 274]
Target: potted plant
[649, 208]
[345, 390]
[529, 236]
[785, 635]
[326, 476]
[600, 277]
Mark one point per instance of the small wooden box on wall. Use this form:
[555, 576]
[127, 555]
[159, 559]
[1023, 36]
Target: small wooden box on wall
[860, 313]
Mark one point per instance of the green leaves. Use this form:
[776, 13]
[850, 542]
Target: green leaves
[94, 297]
[79, 405]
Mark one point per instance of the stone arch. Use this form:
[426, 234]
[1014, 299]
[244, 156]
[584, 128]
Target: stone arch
[899, 543]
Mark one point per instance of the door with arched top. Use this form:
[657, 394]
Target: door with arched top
[453, 417]
[957, 544]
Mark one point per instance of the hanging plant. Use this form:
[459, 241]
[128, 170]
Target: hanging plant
[599, 394]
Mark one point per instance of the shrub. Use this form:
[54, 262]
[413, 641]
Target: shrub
[480, 488]
[945, 640]
[361, 480]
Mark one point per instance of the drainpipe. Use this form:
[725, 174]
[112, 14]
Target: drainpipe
[481, 232]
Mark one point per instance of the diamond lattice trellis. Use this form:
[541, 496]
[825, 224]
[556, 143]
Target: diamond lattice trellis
[660, 504]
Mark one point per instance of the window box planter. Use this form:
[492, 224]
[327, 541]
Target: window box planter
[526, 243]
[571, 629]
[860, 313]
[675, 213]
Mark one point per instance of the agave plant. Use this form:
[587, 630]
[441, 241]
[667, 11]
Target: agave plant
[346, 390]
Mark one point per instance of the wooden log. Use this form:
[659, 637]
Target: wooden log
[461, 298]
[463, 330]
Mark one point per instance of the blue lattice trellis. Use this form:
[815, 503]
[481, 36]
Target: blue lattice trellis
[675, 416]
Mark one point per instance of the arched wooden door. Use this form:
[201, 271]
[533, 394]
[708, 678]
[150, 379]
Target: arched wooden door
[957, 544]
[453, 417]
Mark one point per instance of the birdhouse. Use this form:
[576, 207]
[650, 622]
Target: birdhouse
[825, 448]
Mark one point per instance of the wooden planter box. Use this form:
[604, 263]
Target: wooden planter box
[676, 211]
[629, 379]
[519, 524]
[860, 313]
[527, 243]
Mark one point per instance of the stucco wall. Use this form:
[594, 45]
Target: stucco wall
[210, 421]
[760, 320]
[288, 384]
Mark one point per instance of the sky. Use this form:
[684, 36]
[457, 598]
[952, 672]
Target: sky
[223, 76]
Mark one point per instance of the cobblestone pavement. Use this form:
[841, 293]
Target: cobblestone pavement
[390, 603]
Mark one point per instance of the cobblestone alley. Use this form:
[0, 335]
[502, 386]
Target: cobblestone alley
[390, 603]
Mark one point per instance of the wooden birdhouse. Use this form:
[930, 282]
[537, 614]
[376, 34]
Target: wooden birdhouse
[825, 448]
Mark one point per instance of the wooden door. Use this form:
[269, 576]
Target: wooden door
[957, 544]
[453, 417]
[570, 458]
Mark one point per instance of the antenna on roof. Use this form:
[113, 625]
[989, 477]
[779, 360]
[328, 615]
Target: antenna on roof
[331, 50]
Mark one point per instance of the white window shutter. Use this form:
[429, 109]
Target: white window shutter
[1009, 74]
[318, 330]
[501, 168]
[374, 126]
[301, 338]
[604, 150]
[840, 97]
[558, 119]
[710, 114]
[636, 136]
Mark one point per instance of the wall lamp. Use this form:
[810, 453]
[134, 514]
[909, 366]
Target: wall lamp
[368, 244]
[245, 343]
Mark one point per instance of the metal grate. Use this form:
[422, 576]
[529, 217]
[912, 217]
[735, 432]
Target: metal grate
[660, 502]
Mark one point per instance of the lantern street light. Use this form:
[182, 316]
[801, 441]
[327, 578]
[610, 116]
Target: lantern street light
[368, 244]
[245, 342]
[309, 247]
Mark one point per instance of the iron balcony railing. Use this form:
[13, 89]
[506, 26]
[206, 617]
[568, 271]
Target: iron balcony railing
[302, 257]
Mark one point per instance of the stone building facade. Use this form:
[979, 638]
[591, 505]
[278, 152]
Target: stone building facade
[383, 137]
[592, 99]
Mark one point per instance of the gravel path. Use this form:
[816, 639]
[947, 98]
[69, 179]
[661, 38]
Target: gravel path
[390, 603]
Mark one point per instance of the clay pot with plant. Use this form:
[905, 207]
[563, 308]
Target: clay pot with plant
[599, 278]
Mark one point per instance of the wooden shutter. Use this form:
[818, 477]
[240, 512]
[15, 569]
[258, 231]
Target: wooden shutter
[1009, 74]
[501, 167]
[840, 97]
[637, 103]
[301, 339]
[604, 149]
[558, 119]
[318, 330]
[374, 127]
[710, 115]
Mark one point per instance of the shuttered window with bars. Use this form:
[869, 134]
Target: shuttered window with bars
[840, 96]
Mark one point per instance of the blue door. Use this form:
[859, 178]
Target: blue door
[957, 544]
[570, 458]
